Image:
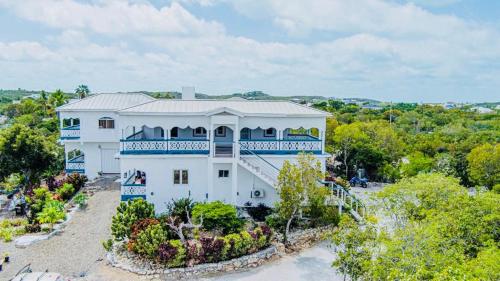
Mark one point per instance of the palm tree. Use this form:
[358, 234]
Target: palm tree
[57, 98]
[82, 91]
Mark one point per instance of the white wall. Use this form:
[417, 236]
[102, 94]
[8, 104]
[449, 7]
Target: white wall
[89, 126]
[159, 177]
[92, 151]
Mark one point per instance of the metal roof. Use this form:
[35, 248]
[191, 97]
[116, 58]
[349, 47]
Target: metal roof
[209, 107]
[99, 102]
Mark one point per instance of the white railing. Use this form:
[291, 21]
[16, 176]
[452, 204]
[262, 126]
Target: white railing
[76, 164]
[134, 190]
[72, 132]
[152, 146]
[270, 146]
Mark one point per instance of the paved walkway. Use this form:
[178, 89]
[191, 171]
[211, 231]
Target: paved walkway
[76, 251]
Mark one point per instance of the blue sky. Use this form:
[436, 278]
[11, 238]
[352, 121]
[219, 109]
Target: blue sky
[393, 50]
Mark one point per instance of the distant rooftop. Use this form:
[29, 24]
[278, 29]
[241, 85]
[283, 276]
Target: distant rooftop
[113, 101]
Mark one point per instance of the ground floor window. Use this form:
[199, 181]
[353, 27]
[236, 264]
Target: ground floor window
[181, 176]
[223, 173]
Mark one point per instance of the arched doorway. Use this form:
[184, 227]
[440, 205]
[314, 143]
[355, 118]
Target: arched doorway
[223, 142]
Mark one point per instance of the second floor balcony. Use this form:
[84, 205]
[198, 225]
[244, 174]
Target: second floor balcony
[198, 141]
[70, 132]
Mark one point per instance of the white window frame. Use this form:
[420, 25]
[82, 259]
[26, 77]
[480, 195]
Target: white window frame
[203, 132]
[107, 122]
[273, 134]
[222, 134]
[181, 178]
[223, 173]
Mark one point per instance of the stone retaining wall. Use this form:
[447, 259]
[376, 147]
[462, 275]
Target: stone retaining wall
[121, 258]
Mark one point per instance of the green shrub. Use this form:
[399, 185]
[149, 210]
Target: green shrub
[127, 213]
[330, 216]
[233, 245]
[81, 200]
[177, 208]
[37, 202]
[496, 188]
[65, 191]
[107, 245]
[261, 239]
[52, 212]
[260, 212]
[247, 242]
[149, 240]
[217, 215]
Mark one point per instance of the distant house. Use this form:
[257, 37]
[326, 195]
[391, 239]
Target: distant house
[482, 110]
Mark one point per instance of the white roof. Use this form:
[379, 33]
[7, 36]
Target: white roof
[100, 102]
[209, 107]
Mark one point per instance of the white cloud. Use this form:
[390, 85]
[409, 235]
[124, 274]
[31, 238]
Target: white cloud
[113, 17]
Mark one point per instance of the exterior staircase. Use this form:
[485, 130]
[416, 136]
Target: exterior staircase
[268, 173]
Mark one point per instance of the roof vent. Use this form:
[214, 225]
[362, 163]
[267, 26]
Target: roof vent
[188, 93]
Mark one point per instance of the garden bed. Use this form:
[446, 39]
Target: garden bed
[121, 258]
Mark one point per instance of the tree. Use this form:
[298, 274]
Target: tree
[26, 151]
[346, 136]
[82, 91]
[57, 98]
[295, 183]
[353, 245]
[484, 164]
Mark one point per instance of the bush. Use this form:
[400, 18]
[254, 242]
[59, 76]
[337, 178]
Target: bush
[217, 215]
[279, 224]
[496, 188]
[212, 249]
[233, 245]
[177, 208]
[37, 201]
[149, 240]
[136, 228]
[330, 216]
[127, 213]
[52, 212]
[172, 253]
[65, 191]
[33, 228]
[78, 181]
[260, 212]
[81, 200]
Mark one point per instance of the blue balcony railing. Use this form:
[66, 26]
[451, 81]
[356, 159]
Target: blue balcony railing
[76, 165]
[132, 189]
[162, 146]
[70, 133]
[285, 146]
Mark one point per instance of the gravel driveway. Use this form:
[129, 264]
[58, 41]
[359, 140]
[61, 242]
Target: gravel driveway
[75, 251]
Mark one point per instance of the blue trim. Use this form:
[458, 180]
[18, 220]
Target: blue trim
[80, 171]
[284, 152]
[69, 138]
[129, 197]
[146, 152]
[72, 128]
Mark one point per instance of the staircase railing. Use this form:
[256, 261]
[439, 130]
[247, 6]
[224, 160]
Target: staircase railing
[257, 162]
[345, 199]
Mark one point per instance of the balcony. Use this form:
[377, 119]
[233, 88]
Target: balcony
[134, 186]
[162, 146]
[76, 165]
[70, 133]
[290, 145]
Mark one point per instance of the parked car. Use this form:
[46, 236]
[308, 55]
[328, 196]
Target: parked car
[363, 182]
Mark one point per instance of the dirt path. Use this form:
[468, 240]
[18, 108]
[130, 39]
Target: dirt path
[76, 251]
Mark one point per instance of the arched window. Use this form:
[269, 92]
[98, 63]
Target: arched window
[245, 134]
[270, 132]
[174, 132]
[106, 123]
[200, 132]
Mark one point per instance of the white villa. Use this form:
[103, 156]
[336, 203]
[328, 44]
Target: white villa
[228, 150]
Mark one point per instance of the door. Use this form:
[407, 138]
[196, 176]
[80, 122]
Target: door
[109, 164]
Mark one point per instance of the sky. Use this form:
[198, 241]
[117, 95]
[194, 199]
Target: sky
[390, 50]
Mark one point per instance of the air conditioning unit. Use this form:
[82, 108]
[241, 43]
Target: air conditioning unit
[257, 193]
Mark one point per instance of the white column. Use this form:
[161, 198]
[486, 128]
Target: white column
[236, 154]
[322, 136]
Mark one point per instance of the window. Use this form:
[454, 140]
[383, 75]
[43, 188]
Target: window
[174, 133]
[106, 123]
[223, 173]
[180, 176]
[270, 132]
[200, 132]
[245, 134]
[220, 132]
